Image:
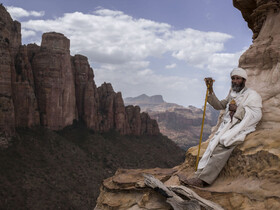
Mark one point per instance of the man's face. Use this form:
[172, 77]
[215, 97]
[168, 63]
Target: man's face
[237, 83]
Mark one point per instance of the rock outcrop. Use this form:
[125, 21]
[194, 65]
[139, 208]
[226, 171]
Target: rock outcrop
[44, 85]
[250, 179]
[10, 41]
[112, 109]
[54, 82]
[24, 98]
[261, 60]
[87, 99]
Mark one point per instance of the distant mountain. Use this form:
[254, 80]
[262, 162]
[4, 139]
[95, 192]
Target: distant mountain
[144, 99]
[179, 123]
[150, 103]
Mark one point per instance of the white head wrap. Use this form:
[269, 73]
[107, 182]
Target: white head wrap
[239, 72]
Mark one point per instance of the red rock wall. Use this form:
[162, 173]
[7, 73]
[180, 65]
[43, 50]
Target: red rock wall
[87, 100]
[112, 110]
[9, 43]
[54, 82]
[134, 118]
[25, 101]
[44, 85]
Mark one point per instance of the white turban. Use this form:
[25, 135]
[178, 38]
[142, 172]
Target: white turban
[239, 72]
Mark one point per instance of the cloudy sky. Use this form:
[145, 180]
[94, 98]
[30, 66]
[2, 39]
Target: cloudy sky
[156, 47]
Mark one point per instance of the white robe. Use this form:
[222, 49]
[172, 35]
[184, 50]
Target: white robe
[234, 132]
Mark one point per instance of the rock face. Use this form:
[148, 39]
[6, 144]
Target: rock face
[181, 124]
[126, 120]
[44, 85]
[54, 82]
[261, 60]
[10, 40]
[25, 101]
[112, 109]
[87, 99]
[250, 179]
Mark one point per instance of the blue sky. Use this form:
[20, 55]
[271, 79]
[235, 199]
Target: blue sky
[154, 47]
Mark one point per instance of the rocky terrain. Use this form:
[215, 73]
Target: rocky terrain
[181, 124]
[44, 169]
[44, 85]
[250, 179]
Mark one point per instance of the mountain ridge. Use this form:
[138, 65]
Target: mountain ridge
[180, 124]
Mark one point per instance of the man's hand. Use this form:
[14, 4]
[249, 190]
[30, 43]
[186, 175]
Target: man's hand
[232, 107]
[209, 83]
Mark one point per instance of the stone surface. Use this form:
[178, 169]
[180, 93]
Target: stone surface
[148, 125]
[111, 110]
[25, 101]
[261, 60]
[87, 99]
[54, 82]
[131, 190]
[126, 120]
[10, 40]
[134, 118]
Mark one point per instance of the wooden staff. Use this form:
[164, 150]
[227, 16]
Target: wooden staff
[197, 158]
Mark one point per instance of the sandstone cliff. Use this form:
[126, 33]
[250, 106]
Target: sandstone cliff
[250, 179]
[261, 60]
[10, 41]
[44, 85]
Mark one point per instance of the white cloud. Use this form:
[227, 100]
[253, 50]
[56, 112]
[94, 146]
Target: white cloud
[108, 36]
[27, 33]
[17, 12]
[221, 63]
[195, 47]
[171, 66]
[119, 48]
[134, 82]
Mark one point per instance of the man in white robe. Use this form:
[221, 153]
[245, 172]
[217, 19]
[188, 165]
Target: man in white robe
[242, 113]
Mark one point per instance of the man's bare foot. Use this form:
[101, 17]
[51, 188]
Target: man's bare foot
[195, 182]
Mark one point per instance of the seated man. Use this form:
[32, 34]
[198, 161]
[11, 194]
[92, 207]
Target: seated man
[242, 113]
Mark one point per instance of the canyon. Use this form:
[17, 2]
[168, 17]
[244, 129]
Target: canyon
[60, 134]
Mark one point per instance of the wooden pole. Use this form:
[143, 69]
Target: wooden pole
[197, 158]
